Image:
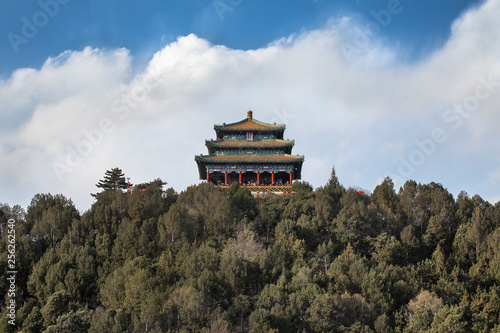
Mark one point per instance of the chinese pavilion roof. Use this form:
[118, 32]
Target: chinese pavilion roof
[271, 158]
[249, 124]
[249, 144]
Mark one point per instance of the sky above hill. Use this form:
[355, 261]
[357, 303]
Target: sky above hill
[405, 89]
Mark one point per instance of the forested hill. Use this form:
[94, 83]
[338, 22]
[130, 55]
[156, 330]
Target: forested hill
[413, 259]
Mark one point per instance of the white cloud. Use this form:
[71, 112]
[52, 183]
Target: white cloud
[361, 115]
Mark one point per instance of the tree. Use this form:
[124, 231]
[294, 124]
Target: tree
[234, 270]
[494, 253]
[288, 245]
[51, 227]
[322, 312]
[421, 311]
[102, 321]
[477, 232]
[114, 179]
[246, 243]
[407, 201]
[382, 324]
[260, 321]
[175, 224]
[271, 209]
[126, 242]
[353, 309]
[465, 207]
[57, 304]
[301, 202]
[241, 309]
[325, 253]
[332, 313]
[122, 288]
[441, 230]
[243, 204]
[75, 322]
[384, 194]
[352, 223]
[50, 217]
[327, 201]
[449, 319]
[348, 271]
[34, 321]
[388, 250]
[410, 243]
[187, 308]
[217, 324]
[208, 211]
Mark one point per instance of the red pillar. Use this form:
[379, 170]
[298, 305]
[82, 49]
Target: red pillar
[272, 177]
[258, 177]
[291, 177]
[240, 177]
[225, 178]
[208, 176]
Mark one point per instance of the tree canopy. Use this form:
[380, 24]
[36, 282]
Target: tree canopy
[331, 259]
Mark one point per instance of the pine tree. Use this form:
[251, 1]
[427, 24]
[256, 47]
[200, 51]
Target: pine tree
[384, 194]
[114, 179]
[333, 182]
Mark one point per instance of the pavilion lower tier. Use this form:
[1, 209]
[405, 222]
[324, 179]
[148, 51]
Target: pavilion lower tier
[250, 175]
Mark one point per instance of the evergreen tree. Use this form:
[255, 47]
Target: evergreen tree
[384, 194]
[114, 179]
[327, 201]
[50, 216]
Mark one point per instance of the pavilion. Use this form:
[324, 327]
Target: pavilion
[252, 153]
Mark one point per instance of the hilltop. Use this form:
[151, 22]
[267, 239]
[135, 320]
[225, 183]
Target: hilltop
[148, 259]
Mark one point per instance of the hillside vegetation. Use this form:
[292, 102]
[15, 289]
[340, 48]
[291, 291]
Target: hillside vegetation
[330, 259]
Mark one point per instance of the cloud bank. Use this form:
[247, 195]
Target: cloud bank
[347, 98]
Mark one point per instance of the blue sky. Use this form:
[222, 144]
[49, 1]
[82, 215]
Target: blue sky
[145, 26]
[406, 89]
